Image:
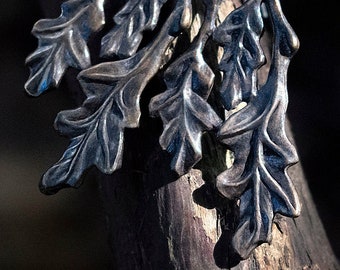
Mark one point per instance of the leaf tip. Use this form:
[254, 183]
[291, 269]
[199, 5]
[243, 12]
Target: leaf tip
[47, 188]
[34, 90]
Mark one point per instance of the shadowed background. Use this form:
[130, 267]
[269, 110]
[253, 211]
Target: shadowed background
[67, 230]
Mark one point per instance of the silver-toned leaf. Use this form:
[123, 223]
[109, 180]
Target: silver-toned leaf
[239, 35]
[136, 17]
[185, 114]
[183, 107]
[62, 43]
[263, 153]
[96, 129]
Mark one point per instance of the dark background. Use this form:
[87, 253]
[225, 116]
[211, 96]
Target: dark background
[66, 230]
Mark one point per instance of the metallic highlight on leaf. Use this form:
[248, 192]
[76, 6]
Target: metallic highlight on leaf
[62, 43]
[136, 17]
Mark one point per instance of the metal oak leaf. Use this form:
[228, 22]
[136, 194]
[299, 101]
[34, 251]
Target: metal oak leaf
[259, 175]
[131, 21]
[96, 129]
[62, 43]
[183, 107]
[239, 35]
[185, 113]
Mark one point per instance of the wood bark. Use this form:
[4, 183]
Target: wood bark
[156, 220]
[155, 223]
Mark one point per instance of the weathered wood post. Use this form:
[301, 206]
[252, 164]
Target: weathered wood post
[158, 220]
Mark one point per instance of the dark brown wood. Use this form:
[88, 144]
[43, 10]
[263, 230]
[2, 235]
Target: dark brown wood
[154, 222]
